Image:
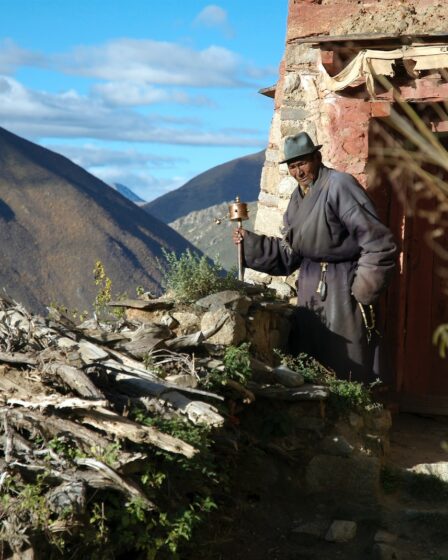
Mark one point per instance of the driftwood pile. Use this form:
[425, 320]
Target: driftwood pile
[77, 383]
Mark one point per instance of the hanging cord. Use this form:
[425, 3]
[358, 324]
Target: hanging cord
[369, 324]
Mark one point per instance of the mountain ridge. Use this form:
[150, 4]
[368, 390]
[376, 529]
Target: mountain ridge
[57, 220]
[222, 183]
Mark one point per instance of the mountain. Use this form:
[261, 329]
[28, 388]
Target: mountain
[128, 193]
[191, 209]
[201, 229]
[238, 177]
[57, 220]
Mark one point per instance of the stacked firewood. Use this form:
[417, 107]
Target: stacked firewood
[68, 386]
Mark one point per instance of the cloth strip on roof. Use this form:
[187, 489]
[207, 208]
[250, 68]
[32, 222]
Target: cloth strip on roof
[369, 62]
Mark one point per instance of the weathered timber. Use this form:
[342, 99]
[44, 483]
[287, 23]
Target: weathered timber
[58, 402]
[197, 411]
[76, 379]
[52, 426]
[127, 486]
[122, 427]
[18, 358]
[156, 386]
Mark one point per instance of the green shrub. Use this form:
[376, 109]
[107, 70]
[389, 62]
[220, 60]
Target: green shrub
[237, 367]
[189, 276]
[344, 395]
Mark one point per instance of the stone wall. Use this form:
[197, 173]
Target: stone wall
[339, 122]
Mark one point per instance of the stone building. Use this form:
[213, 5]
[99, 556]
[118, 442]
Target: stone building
[327, 87]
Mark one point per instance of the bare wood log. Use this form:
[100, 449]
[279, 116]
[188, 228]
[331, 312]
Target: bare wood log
[155, 386]
[145, 342]
[53, 426]
[91, 352]
[197, 411]
[100, 476]
[104, 337]
[18, 358]
[76, 379]
[58, 402]
[127, 486]
[121, 427]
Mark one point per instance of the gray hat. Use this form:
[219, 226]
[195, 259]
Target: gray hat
[298, 146]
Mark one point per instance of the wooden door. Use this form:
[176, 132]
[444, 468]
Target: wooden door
[416, 302]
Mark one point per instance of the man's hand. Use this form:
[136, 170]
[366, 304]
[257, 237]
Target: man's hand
[238, 235]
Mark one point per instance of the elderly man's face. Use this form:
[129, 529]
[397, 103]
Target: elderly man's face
[304, 170]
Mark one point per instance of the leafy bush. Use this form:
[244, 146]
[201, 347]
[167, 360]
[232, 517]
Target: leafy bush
[237, 367]
[189, 276]
[344, 395]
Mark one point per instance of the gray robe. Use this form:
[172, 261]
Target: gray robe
[336, 223]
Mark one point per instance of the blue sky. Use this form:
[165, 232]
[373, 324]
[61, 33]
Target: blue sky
[145, 93]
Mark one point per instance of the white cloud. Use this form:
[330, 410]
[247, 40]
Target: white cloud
[157, 62]
[71, 115]
[212, 16]
[13, 56]
[142, 183]
[92, 155]
[137, 94]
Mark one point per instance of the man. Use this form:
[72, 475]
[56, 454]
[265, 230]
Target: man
[344, 256]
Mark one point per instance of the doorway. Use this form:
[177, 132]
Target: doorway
[416, 303]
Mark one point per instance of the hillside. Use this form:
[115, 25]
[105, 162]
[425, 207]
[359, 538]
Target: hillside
[57, 220]
[238, 177]
[214, 240]
[191, 209]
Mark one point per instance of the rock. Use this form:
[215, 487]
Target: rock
[316, 529]
[188, 322]
[356, 421]
[341, 531]
[231, 333]
[382, 536]
[288, 377]
[231, 299]
[379, 420]
[282, 289]
[168, 321]
[376, 444]
[353, 481]
[256, 277]
[336, 445]
[141, 315]
[68, 496]
[182, 380]
[439, 470]
[148, 305]
[311, 424]
[267, 330]
[383, 551]
[27, 554]
[305, 393]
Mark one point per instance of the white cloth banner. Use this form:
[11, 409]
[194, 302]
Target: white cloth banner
[369, 62]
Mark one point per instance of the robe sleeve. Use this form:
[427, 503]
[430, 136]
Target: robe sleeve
[378, 249]
[269, 254]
